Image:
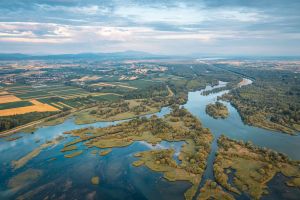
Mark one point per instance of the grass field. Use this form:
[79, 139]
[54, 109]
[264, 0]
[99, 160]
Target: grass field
[46, 92]
[16, 104]
[129, 85]
[78, 100]
[141, 84]
[115, 84]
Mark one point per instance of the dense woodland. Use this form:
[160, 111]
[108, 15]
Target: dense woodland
[272, 101]
[198, 76]
[9, 122]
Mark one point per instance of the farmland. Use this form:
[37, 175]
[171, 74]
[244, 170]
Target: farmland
[8, 99]
[57, 95]
[15, 104]
[35, 107]
[20, 102]
[47, 91]
[68, 90]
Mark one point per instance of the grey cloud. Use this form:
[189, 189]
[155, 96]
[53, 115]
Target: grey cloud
[253, 24]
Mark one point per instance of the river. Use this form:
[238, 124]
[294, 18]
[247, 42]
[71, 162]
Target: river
[70, 178]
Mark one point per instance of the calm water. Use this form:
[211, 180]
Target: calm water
[68, 178]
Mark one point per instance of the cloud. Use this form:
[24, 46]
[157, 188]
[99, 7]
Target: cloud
[183, 15]
[150, 25]
[83, 10]
[55, 33]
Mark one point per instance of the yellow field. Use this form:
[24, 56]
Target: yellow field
[36, 107]
[87, 78]
[8, 99]
[3, 92]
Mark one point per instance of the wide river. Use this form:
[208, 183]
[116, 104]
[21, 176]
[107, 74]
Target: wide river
[64, 178]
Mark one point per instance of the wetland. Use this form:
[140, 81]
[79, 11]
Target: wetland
[176, 153]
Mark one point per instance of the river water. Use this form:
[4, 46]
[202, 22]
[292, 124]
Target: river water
[70, 178]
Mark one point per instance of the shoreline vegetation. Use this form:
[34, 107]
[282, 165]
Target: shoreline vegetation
[69, 148]
[73, 154]
[253, 167]
[271, 102]
[121, 110]
[260, 120]
[179, 125]
[105, 152]
[211, 190]
[217, 110]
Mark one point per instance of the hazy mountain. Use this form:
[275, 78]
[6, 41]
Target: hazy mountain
[83, 56]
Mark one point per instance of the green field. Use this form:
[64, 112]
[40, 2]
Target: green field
[63, 91]
[31, 95]
[15, 105]
[141, 84]
[78, 101]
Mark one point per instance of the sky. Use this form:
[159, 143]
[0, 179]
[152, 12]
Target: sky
[189, 27]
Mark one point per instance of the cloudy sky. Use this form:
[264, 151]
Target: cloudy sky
[204, 27]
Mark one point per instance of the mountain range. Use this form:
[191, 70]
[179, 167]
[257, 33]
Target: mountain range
[83, 56]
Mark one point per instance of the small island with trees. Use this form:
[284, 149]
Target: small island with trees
[217, 110]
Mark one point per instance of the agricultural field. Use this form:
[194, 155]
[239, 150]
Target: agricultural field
[115, 85]
[35, 107]
[59, 96]
[19, 102]
[47, 91]
[8, 99]
[15, 104]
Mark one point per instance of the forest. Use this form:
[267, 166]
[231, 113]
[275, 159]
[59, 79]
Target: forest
[271, 102]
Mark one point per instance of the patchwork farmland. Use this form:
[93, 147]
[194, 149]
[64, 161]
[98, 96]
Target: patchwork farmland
[47, 91]
[19, 100]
